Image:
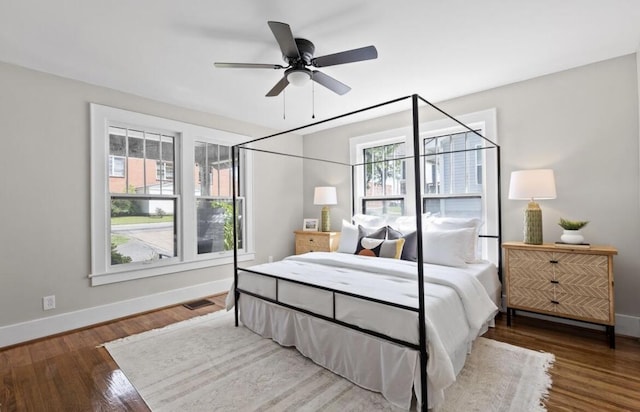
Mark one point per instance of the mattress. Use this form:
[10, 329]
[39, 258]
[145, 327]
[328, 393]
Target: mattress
[459, 305]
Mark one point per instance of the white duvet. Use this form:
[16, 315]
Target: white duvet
[457, 306]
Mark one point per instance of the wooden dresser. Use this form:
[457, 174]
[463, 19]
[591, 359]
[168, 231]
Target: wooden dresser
[316, 241]
[573, 283]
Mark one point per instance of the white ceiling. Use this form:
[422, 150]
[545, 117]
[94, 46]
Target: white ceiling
[165, 49]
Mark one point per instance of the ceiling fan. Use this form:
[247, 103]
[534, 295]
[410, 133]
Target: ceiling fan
[298, 53]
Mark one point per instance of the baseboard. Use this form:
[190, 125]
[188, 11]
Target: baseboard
[628, 325]
[39, 328]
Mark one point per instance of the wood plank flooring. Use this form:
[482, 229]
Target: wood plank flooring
[69, 372]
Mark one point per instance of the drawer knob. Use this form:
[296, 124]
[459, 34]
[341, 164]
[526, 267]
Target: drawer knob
[554, 281]
[311, 240]
[553, 261]
[555, 302]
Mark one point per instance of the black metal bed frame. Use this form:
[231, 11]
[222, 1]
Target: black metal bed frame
[422, 333]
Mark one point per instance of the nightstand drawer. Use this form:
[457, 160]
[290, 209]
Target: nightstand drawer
[532, 299]
[316, 241]
[312, 243]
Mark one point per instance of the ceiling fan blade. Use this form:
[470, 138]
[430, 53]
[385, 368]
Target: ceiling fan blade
[330, 83]
[284, 37]
[349, 56]
[279, 87]
[247, 66]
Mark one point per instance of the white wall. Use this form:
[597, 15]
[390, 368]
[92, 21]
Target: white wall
[583, 123]
[44, 207]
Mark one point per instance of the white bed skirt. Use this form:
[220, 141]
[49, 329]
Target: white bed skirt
[370, 362]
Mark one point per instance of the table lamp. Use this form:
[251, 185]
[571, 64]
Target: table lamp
[325, 196]
[532, 185]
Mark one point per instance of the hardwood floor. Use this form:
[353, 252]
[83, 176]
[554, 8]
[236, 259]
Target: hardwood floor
[70, 373]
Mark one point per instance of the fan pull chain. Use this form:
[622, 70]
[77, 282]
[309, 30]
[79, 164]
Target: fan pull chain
[313, 100]
[284, 105]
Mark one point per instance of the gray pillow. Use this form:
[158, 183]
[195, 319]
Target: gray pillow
[410, 249]
[380, 233]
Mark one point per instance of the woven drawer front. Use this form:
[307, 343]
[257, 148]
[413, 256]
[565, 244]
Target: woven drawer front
[531, 299]
[585, 307]
[590, 286]
[531, 260]
[530, 279]
[312, 243]
[581, 264]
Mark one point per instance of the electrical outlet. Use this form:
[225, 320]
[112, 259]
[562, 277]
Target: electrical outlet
[49, 302]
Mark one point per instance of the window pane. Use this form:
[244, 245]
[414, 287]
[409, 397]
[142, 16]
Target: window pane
[215, 224]
[454, 206]
[383, 207]
[142, 230]
[384, 170]
[200, 173]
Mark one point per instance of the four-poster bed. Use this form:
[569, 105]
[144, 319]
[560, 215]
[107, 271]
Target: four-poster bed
[362, 317]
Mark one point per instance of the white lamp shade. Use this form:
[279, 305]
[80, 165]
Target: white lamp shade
[325, 195]
[532, 184]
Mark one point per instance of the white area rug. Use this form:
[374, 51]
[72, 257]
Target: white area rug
[207, 364]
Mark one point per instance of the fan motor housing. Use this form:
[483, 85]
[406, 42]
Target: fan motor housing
[306, 50]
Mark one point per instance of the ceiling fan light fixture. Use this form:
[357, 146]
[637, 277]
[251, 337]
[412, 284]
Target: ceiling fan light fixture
[299, 77]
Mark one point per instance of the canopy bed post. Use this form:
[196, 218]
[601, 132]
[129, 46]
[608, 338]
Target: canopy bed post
[234, 176]
[422, 331]
[499, 213]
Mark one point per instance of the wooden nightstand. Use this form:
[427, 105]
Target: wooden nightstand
[316, 241]
[571, 283]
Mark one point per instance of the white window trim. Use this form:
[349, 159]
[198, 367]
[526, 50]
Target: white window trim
[188, 259]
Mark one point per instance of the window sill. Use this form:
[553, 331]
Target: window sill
[141, 272]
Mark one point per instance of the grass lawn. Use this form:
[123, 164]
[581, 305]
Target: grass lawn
[119, 239]
[130, 220]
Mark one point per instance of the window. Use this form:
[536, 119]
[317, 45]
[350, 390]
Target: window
[150, 216]
[213, 191]
[116, 166]
[453, 175]
[455, 180]
[383, 187]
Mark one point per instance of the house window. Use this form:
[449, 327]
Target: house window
[384, 179]
[143, 204]
[144, 222]
[116, 166]
[214, 202]
[453, 175]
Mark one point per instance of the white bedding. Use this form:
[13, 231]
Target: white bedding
[458, 308]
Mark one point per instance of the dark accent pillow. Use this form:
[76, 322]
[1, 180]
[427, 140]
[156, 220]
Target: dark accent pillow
[410, 249]
[380, 233]
[380, 247]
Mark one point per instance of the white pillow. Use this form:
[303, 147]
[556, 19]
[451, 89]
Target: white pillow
[407, 224]
[369, 221]
[472, 255]
[447, 247]
[348, 238]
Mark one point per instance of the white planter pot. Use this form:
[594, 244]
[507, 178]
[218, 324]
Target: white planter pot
[573, 237]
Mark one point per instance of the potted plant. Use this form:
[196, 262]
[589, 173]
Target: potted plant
[572, 233]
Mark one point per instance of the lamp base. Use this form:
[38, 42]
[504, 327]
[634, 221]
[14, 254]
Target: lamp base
[533, 224]
[325, 223]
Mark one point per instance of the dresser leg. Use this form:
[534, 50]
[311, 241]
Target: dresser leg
[508, 317]
[611, 333]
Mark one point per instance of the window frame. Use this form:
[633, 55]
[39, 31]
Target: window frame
[357, 147]
[485, 120]
[185, 214]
